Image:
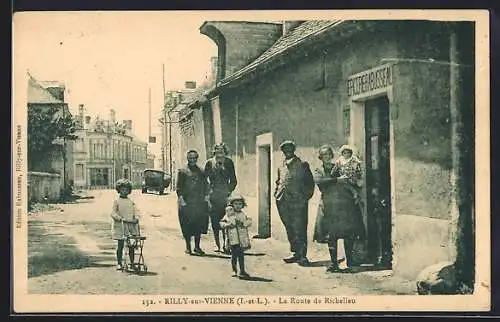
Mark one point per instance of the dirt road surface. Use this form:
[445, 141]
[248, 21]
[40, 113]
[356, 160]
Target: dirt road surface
[71, 251]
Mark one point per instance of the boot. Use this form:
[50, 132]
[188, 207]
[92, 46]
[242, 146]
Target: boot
[334, 265]
[349, 252]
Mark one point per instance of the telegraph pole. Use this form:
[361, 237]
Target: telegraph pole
[149, 106]
[163, 152]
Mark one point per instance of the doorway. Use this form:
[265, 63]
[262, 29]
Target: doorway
[378, 181]
[264, 190]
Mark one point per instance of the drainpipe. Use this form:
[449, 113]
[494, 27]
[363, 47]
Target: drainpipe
[170, 164]
[461, 221]
[64, 157]
[170, 141]
[236, 133]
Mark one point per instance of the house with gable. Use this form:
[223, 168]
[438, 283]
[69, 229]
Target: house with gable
[49, 175]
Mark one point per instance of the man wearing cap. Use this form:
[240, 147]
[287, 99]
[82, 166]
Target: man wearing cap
[294, 188]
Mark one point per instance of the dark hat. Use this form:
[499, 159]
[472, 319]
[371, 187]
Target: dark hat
[287, 143]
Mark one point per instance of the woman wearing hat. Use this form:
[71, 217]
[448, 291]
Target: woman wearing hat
[222, 179]
[338, 213]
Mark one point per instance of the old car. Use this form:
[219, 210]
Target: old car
[154, 180]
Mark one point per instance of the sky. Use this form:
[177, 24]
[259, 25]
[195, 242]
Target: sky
[111, 59]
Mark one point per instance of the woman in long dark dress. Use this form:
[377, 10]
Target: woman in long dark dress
[192, 191]
[222, 179]
[339, 216]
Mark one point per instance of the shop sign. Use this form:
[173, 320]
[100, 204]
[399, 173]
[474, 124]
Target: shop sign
[370, 81]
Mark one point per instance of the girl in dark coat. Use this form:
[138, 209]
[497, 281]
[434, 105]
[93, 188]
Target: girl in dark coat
[339, 216]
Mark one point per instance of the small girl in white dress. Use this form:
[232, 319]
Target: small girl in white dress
[125, 220]
[236, 223]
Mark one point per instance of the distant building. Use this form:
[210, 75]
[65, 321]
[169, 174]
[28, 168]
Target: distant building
[174, 144]
[106, 151]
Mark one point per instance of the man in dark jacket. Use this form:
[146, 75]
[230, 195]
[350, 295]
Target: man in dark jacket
[294, 188]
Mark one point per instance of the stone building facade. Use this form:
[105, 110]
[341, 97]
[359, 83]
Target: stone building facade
[399, 100]
[106, 151]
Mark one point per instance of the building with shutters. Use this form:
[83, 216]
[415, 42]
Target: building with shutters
[106, 150]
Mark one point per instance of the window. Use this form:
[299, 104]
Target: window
[347, 121]
[79, 172]
[125, 173]
[99, 177]
[99, 150]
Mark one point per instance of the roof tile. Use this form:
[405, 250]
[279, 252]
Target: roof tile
[297, 35]
[38, 94]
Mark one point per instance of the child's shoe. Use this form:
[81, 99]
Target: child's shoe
[235, 274]
[119, 267]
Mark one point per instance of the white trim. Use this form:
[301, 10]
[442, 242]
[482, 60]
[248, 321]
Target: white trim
[357, 137]
[262, 140]
[216, 116]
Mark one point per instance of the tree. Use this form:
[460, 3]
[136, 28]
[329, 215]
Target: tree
[47, 123]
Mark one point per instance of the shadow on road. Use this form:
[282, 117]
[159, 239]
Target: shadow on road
[51, 253]
[255, 254]
[359, 269]
[256, 279]
[213, 256]
[319, 264]
[143, 273]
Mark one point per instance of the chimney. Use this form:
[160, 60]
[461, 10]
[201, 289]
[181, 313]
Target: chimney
[112, 116]
[79, 117]
[289, 25]
[81, 109]
[190, 85]
[239, 42]
[127, 124]
[213, 68]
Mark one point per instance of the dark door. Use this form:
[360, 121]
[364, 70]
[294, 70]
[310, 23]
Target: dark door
[264, 177]
[378, 181]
